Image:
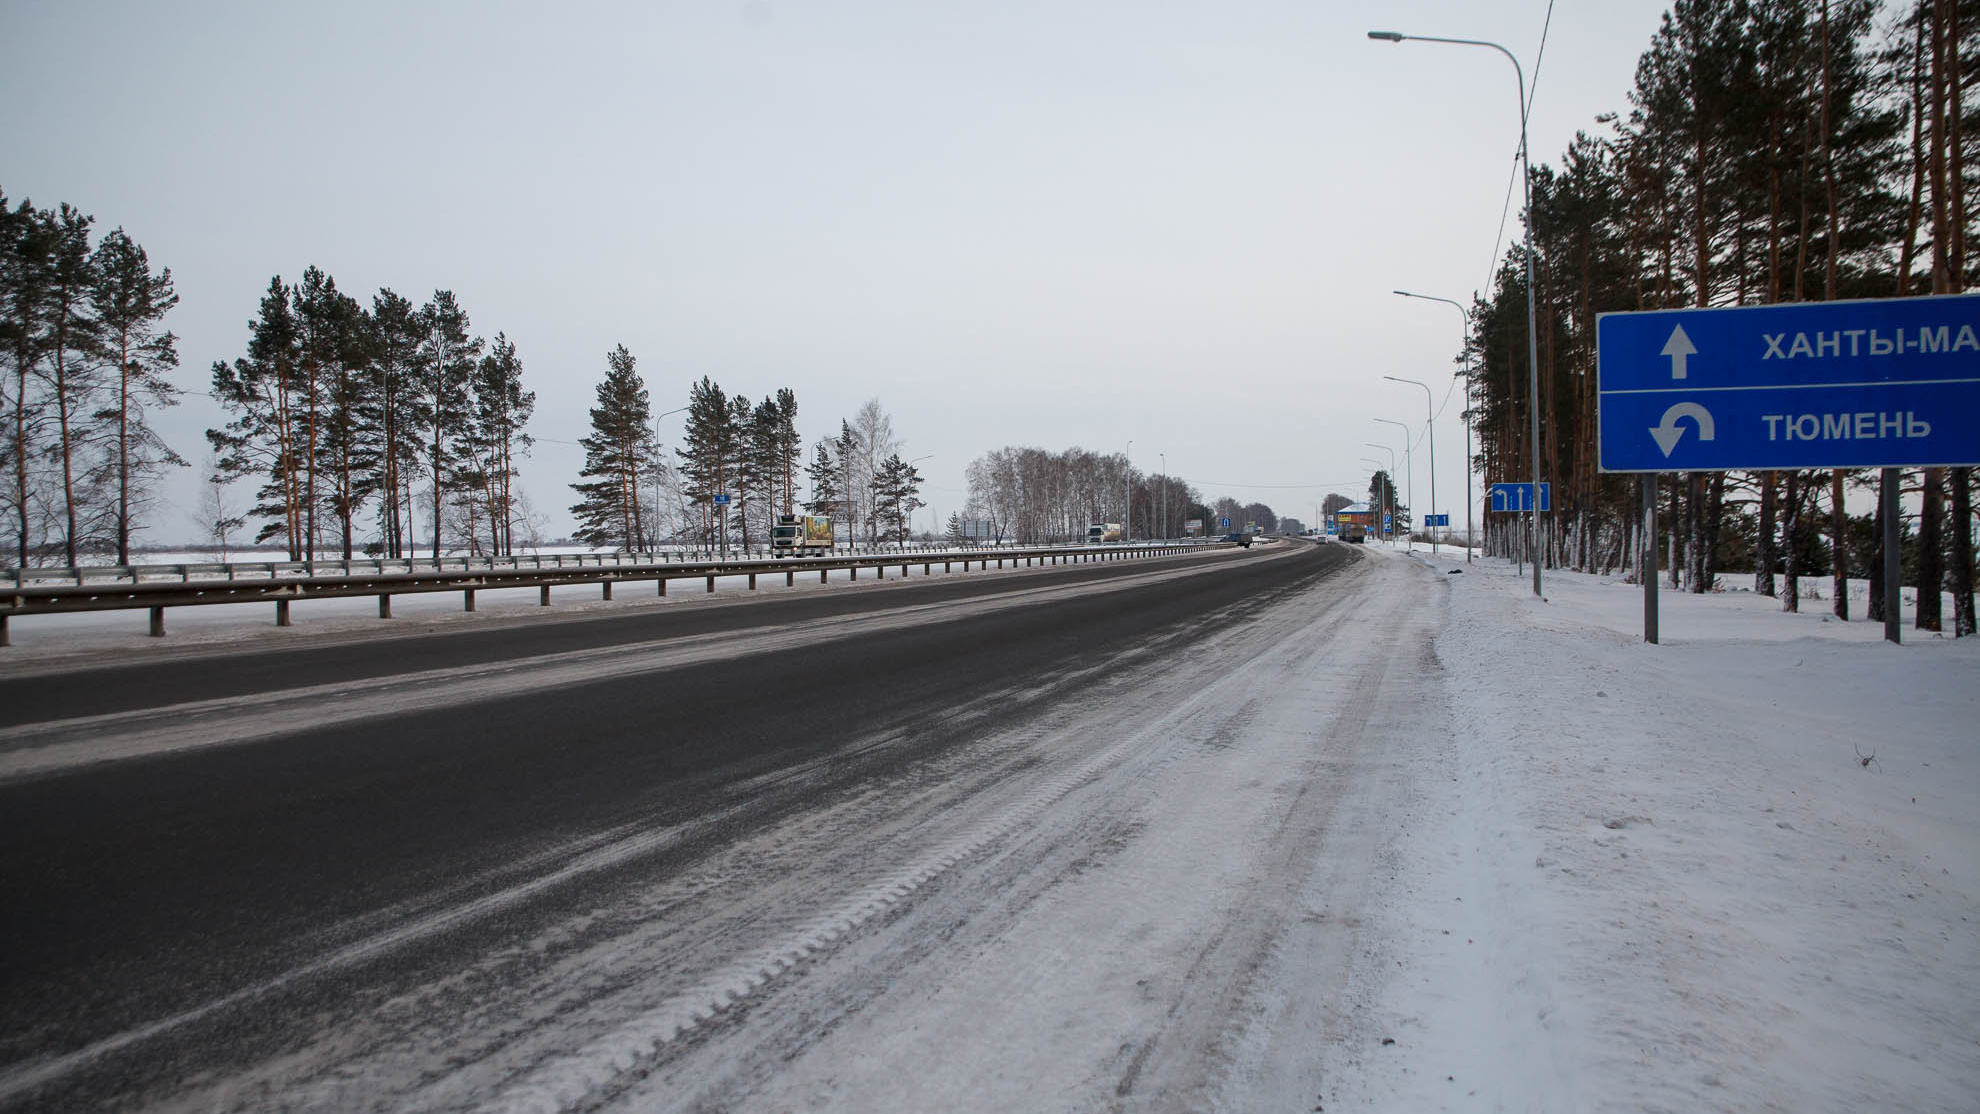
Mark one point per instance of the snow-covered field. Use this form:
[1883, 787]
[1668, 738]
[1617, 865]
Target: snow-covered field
[1642, 877]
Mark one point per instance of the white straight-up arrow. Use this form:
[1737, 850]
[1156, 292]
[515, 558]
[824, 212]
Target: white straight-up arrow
[1677, 348]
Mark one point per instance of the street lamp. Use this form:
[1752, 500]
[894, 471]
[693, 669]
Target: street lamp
[656, 472]
[1391, 481]
[1165, 494]
[910, 465]
[1430, 425]
[1127, 494]
[1532, 331]
[1409, 480]
[1466, 354]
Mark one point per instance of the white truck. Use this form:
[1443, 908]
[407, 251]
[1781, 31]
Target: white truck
[801, 535]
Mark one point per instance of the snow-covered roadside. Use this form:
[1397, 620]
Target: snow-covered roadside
[1660, 878]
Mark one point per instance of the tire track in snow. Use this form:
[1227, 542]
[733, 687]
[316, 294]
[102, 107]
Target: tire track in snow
[589, 1075]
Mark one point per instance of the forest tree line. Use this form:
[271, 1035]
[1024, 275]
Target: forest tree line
[87, 361]
[359, 420]
[1774, 151]
[747, 455]
[1036, 497]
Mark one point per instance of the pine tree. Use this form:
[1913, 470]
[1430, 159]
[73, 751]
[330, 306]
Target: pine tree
[823, 474]
[390, 415]
[790, 449]
[447, 359]
[130, 302]
[608, 512]
[347, 445]
[494, 437]
[746, 466]
[708, 460]
[259, 389]
[26, 246]
[72, 371]
[895, 487]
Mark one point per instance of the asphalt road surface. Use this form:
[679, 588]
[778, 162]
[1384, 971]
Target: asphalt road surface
[999, 841]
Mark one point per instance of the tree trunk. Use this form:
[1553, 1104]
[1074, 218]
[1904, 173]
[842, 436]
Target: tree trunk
[1962, 551]
[1839, 531]
[1694, 532]
[1715, 517]
[1763, 551]
[1791, 543]
[1931, 550]
[1875, 611]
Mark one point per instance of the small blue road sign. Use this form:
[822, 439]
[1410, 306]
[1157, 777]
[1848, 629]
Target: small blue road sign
[1224, 522]
[1436, 520]
[1519, 497]
[1889, 382]
[719, 500]
[1388, 522]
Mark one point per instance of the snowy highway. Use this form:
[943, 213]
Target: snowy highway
[1300, 828]
[998, 842]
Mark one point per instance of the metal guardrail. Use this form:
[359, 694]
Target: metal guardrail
[157, 587]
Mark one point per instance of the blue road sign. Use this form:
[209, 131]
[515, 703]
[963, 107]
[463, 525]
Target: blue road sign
[1519, 497]
[1388, 522]
[1436, 520]
[719, 500]
[1224, 522]
[1891, 382]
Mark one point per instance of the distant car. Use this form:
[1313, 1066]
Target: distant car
[1240, 539]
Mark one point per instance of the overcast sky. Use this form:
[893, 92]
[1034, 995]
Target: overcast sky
[1051, 224]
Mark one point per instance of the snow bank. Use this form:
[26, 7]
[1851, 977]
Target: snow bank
[1666, 877]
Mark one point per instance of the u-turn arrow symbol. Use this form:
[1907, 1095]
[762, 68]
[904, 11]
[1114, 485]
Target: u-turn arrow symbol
[1668, 432]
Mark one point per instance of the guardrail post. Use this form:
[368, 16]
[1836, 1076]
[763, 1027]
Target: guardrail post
[711, 582]
[384, 605]
[663, 585]
[790, 578]
[854, 573]
[467, 599]
[543, 596]
[5, 638]
[752, 582]
[157, 622]
[607, 585]
[281, 613]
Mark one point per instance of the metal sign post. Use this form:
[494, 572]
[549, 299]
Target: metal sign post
[1646, 565]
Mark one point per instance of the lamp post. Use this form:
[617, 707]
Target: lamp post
[1532, 332]
[1390, 483]
[1430, 426]
[1466, 353]
[904, 521]
[656, 472]
[1127, 494]
[1409, 482]
[1165, 494]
